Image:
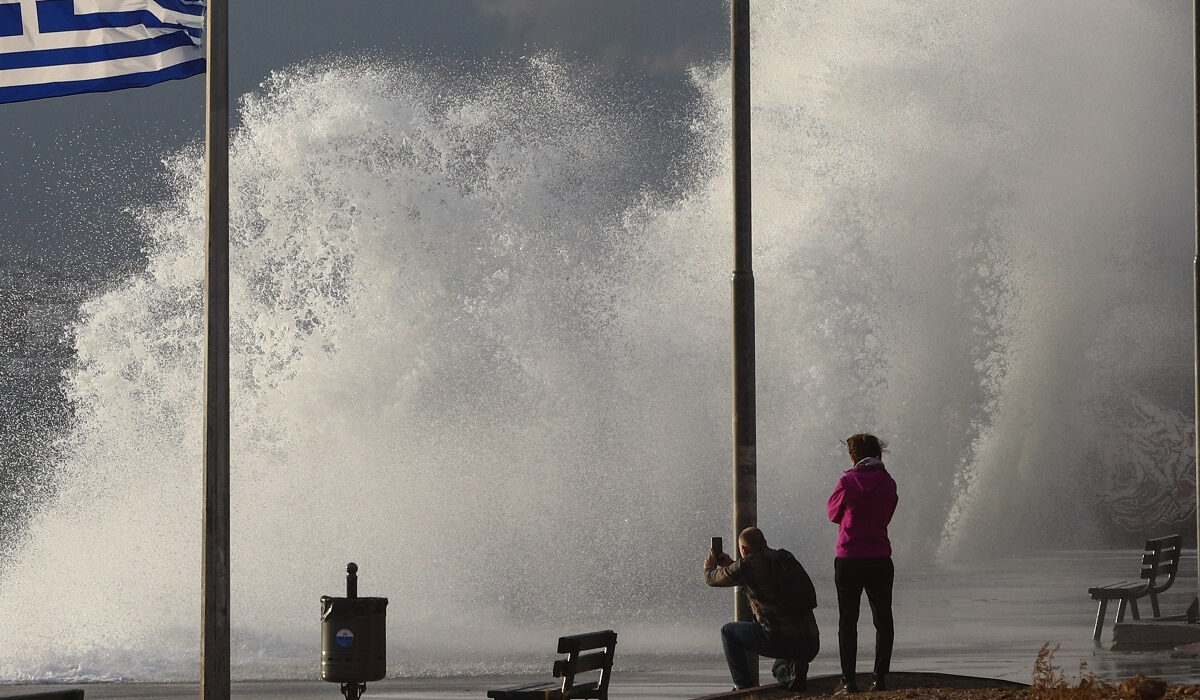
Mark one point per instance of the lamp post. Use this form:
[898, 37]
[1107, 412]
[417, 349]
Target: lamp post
[745, 460]
[1196, 281]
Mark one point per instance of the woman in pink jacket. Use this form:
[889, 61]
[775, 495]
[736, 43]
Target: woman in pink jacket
[862, 505]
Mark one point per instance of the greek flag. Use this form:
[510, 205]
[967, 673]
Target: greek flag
[50, 48]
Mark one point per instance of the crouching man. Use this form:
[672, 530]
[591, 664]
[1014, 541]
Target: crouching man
[782, 599]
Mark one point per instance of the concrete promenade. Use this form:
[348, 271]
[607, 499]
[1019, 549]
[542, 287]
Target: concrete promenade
[649, 685]
[637, 685]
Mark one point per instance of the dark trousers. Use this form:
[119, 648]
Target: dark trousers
[852, 577]
[737, 638]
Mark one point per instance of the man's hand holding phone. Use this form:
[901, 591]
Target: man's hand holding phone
[715, 556]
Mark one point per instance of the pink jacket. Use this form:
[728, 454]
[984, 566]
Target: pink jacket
[862, 503]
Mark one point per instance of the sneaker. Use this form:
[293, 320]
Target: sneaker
[879, 682]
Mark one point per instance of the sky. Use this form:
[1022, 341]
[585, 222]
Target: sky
[71, 165]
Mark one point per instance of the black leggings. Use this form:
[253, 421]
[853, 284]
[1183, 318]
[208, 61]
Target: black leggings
[852, 577]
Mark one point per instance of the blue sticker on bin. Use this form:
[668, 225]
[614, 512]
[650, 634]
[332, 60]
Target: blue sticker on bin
[345, 638]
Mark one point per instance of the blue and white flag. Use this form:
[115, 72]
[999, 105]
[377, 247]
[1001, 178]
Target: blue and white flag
[50, 48]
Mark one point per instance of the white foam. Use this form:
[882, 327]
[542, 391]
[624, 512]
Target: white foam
[470, 358]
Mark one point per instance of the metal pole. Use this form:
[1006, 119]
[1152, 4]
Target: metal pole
[745, 460]
[1196, 277]
[214, 651]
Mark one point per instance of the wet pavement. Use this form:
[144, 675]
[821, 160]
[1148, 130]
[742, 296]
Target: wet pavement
[984, 619]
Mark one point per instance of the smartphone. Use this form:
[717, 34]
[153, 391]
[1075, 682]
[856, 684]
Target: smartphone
[716, 546]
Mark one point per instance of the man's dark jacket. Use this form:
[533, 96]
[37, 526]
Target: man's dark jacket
[781, 594]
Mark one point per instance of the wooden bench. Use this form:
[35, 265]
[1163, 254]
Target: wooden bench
[1160, 563]
[576, 662]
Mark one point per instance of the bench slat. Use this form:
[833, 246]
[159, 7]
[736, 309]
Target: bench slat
[554, 693]
[585, 690]
[1119, 585]
[540, 685]
[533, 691]
[1162, 571]
[1157, 565]
[1119, 590]
[586, 641]
[587, 662]
[1128, 594]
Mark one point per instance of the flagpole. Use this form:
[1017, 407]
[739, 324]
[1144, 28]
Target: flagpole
[214, 651]
[745, 458]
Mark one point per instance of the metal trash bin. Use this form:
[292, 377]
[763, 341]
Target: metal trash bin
[353, 636]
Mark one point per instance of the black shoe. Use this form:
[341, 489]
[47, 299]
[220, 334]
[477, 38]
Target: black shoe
[846, 687]
[879, 682]
[790, 674]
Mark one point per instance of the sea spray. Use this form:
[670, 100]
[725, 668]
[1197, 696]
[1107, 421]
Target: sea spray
[425, 378]
[475, 352]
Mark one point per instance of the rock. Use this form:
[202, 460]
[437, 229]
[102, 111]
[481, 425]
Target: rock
[1142, 688]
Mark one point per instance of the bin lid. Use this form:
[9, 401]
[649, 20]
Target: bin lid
[332, 607]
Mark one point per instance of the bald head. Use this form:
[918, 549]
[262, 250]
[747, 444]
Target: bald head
[753, 540]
